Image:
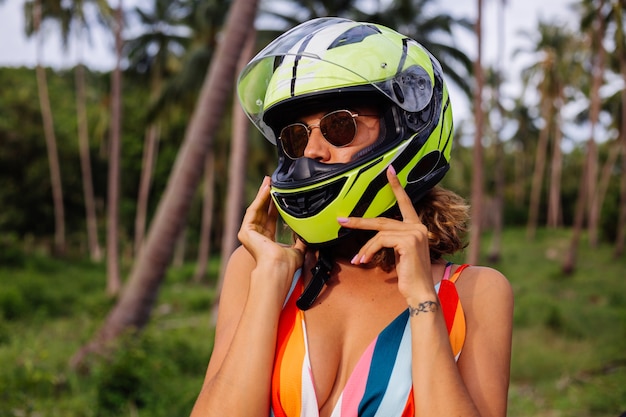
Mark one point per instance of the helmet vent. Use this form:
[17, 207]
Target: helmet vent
[309, 203]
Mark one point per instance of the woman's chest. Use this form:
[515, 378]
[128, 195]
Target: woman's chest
[339, 331]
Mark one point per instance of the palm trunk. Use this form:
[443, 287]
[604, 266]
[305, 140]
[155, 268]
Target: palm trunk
[95, 251]
[51, 141]
[236, 175]
[204, 248]
[620, 240]
[496, 242]
[554, 195]
[473, 253]
[579, 217]
[133, 308]
[538, 172]
[114, 281]
[594, 115]
[607, 171]
[147, 164]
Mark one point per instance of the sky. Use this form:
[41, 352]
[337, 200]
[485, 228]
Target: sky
[16, 50]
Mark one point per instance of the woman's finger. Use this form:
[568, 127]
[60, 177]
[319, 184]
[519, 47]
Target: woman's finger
[404, 201]
[376, 223]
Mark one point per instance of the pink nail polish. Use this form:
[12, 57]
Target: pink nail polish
[342, 220]
[355, 259]
[392, 169]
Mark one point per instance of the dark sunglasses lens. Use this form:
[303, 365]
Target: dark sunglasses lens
[294, 139]
[339, 128]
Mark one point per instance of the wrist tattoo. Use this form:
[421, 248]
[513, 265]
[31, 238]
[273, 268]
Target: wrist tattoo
[425, 307]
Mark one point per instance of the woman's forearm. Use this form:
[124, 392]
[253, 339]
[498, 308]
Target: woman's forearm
[241, 384]
[437, 384]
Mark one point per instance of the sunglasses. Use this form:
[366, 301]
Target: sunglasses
[338, 128]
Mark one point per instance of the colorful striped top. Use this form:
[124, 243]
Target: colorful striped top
[381, 383]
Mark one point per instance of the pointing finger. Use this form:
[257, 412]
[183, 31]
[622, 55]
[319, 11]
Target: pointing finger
[404, 201]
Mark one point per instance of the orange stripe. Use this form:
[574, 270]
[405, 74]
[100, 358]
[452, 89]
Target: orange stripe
[458, 271]
[457, 334]
[287, 378]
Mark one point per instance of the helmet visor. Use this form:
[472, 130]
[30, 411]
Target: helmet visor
[332, 56]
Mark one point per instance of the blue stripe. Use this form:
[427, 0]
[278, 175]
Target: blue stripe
[383, 360]
[395, 399]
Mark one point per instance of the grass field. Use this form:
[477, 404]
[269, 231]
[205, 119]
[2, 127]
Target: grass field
[569, 352]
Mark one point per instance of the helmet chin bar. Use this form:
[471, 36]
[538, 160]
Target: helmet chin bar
[301, 169]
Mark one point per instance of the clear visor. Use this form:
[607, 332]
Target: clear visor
[330, 55]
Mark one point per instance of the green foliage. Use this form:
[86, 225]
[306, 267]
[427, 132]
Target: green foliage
[568, 342]
[157, 372]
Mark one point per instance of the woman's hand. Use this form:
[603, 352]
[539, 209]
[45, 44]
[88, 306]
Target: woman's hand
[408, 238]
[258, 230]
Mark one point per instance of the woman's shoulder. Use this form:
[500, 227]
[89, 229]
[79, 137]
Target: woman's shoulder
[484, 284]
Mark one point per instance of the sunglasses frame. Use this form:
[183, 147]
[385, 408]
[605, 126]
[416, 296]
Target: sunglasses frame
[309, 129]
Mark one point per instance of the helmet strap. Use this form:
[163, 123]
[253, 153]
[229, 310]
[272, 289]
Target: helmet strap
[321, 275]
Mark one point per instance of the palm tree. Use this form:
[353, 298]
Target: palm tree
[553, 61]
[76, 14]
[477, 159]
[523, 140]
[594, 23]
[35, 12]
[153, 52]
[620, 47]
[114, 282]
[205, 20]
[496, 243]
[236, 174]
[132, 310]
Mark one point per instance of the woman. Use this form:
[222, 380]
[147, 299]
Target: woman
[361, 315]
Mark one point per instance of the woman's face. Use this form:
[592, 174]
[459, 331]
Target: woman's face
[321, 150]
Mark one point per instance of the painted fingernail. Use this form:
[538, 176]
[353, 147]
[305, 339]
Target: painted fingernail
[342, 220]
[355, 259]
[362, 260]
[392, 169]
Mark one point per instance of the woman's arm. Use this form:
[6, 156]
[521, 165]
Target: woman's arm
[257, 279]
[237, 381]
[478, 385]
[485, 361]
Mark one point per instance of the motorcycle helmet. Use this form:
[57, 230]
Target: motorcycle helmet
[336, 63]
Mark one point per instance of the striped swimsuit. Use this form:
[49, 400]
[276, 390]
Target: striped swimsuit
[381, 383]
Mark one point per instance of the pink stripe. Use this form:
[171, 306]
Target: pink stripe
[355, 388]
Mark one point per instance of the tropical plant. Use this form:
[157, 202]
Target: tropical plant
[551, 44]
[36, 11]
[593, 23]
[132, 311]
[477, 159]
[620, 47]
[157, 51]
[114, 281]
[74, 19]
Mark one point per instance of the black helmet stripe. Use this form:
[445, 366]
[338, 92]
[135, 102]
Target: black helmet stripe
[405, 52]
[294, 69]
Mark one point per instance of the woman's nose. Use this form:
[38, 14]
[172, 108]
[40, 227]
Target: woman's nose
[317, 147]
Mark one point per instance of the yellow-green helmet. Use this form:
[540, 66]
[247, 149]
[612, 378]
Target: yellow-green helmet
[337, 63]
